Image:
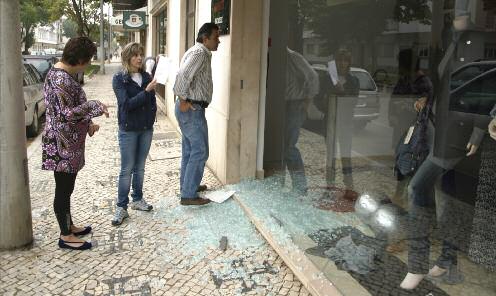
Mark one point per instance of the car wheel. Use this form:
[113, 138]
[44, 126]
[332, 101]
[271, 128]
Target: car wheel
[33, 129]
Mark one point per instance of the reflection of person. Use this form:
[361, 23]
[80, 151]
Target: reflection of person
[194, 88]
[346, 93]
[135, 92]
[68, 120]
[447, 152]
[408, 100]
[492, 125]
[401, 114]
[302, 84]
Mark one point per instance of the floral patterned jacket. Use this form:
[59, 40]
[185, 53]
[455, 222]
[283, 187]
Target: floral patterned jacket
[68, 116]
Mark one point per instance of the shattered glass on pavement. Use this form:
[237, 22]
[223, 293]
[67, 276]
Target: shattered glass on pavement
[289, 216]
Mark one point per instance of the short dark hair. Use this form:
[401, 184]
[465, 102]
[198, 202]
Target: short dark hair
[78, 50]
[206, 31]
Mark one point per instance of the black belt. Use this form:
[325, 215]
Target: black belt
[202, 104]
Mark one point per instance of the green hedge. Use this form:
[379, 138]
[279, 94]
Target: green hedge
[91, 69]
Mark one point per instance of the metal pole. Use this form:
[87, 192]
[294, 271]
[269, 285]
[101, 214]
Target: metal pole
[102, 49]
[15, 206]
[110, 36]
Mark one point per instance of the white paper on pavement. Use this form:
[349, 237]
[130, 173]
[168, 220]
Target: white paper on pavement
[219, 196]
[163, 69]
[333, 72]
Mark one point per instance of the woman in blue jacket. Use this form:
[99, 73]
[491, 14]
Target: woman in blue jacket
[137, 107]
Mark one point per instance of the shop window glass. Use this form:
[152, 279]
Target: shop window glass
[337, 120]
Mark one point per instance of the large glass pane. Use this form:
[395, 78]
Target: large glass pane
[377, 157]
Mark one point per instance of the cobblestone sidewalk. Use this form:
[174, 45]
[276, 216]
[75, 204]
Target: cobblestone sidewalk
[172, 250]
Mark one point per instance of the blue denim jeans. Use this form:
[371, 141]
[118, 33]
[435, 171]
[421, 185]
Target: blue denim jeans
[194, 129]
[295, 117]
[134, 147]
[422, 215]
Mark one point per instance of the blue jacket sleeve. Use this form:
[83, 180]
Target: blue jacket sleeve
[123, 99]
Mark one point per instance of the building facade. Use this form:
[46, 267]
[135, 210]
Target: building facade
[314, 98]
[48, 38]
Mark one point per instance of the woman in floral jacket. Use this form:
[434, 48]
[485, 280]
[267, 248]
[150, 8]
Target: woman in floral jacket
[68, 120]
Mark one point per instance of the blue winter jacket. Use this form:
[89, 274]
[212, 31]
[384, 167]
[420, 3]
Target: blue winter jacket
[136, 107]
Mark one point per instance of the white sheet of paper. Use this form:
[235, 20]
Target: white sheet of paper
[162, 70]
[408, 136]
[219, 196]
[333, 72]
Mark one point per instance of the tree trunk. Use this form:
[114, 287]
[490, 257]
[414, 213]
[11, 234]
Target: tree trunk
[27, 40]
[15, 204]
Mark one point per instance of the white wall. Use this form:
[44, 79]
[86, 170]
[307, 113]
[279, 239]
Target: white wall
[233, 114]
[217, 112]
[175, 47]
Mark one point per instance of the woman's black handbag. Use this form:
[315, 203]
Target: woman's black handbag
[413, 148]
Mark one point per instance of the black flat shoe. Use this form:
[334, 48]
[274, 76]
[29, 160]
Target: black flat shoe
[64, 245]
[86, 230]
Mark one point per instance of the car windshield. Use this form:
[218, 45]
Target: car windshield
[366, 82]
[468, 73]
[40, 65]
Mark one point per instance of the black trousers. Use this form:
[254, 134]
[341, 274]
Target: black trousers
[64, 186]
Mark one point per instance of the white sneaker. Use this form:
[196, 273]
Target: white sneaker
[437, 271]
[411, 281]
[119, 216]
[141, 205]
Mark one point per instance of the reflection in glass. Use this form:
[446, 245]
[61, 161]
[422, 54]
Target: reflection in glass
[372, 77]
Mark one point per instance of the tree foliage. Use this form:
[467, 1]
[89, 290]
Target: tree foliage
[84, 13]
[353, 20]
[69, 28]
[34, 13]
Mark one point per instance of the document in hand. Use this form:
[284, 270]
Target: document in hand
[219, 196]
[163, 69]
[333, 72]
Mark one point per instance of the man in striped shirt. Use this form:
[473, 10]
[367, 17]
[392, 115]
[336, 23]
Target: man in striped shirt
[302, 84]
[193, 88]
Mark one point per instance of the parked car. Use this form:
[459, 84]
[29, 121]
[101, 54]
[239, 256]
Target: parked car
[368, 104]
[468, 103]
[33, 99]
[469, 71]
[42, 63]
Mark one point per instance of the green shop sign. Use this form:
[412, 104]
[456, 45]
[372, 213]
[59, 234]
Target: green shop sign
[221, 10]
[134, 19]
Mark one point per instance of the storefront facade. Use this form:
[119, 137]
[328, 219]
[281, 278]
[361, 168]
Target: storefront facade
[311, 107]
[231, 127]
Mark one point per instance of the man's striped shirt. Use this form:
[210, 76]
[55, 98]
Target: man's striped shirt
[194, 79]
[302, 82]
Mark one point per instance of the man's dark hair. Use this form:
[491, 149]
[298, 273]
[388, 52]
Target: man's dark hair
[206, 31]
[78, 50]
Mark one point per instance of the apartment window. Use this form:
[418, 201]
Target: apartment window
[490, 51]
[311, 49]
[161, 31]
[423, 51]
[190, 23]
[490, 20]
